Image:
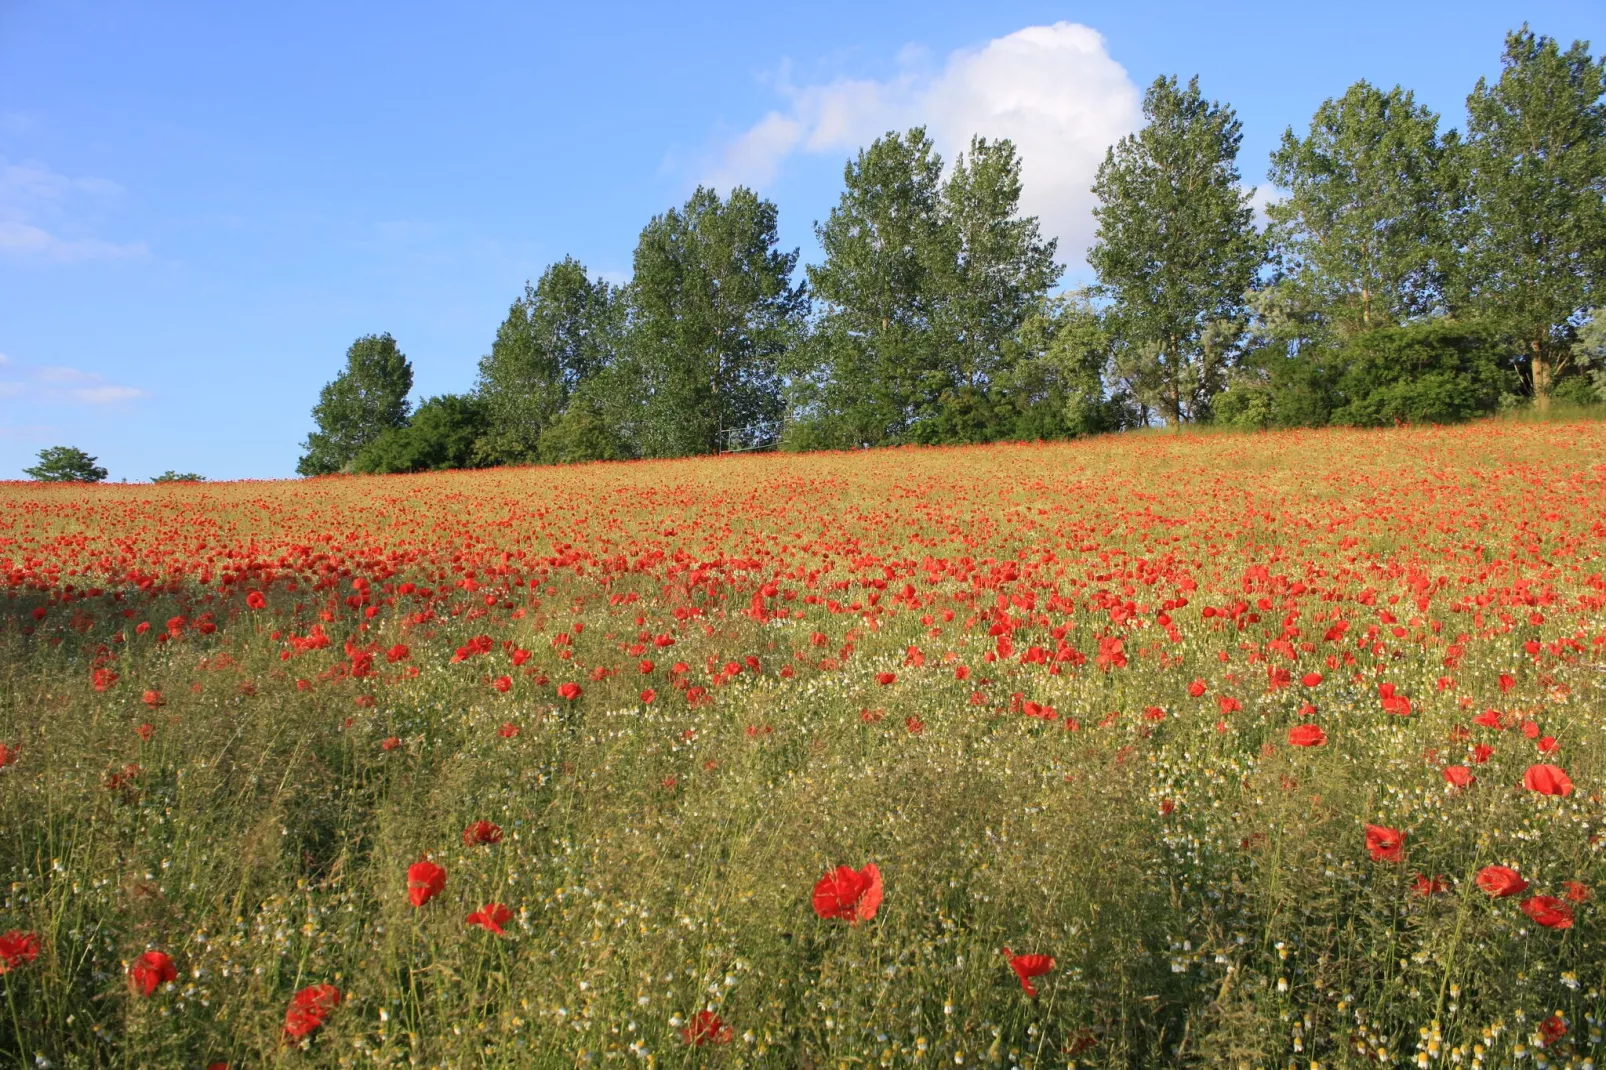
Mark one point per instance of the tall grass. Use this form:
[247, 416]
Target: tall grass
[1203, 886]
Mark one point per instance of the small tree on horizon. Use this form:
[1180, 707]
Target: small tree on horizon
[65, 464]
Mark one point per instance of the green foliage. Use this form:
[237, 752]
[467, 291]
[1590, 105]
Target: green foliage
[1589, 352]
[364, 401]
[1364, 230]
[562, 332]
[443, 434]
[583, 432]
[927, 284]
[1438, 371]
[1536, 154]
[1176, 247]
[171, 476]
[714, 311]
[65, 464]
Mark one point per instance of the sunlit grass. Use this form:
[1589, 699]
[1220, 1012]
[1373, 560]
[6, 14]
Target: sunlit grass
[246, 794]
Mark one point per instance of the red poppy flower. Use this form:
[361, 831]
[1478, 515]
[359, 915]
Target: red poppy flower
[647, 695]
[152, 698]
[256, 600]
[1384, 844]
[145, 732]
[1576, 891]
[1552, 1029]
[1547, 780]
[849, 895]
[1501, 881]
[481, 832]
[1196, 688]
[1459, 776]
[490, 917]
[569, 691]
[706, 1027]
[151, 971]
[914, 724]
[1311, 679]
[885, 678]
[1548, 911]
[389, 743]
[399, 652]
[508, 730]
[1306, 735]
[17, 949]
[308, 1009]
[425, 880]
[1027, 967]
[7, 755]
[1425, 886]
[503, 684]
[1482, 753]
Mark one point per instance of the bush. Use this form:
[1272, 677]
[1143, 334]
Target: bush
[1439, 371]
[580, 433]
[442, 435]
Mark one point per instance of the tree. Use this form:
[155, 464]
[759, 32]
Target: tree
[171, 476]
[1055, 379]
[1536, 154]
[443, 434]
[995, 268]
[714, 309]
[364, 401]
[877, 353]
[1364, 230]
[928, 284]
[65, 464]
[562, 332]
[1176, 248]
[1589, 353]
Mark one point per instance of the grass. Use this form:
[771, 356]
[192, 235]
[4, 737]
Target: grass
[245, 796]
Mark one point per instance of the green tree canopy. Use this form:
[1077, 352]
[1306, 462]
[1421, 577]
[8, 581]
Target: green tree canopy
[171, 476]
[1536, 244]
[927, 284]
[562, 332]
[364, 401]
[443, 434]
[1364, 230]
[877, 344]
[65, 464]
[1176, 248]
[714, 309]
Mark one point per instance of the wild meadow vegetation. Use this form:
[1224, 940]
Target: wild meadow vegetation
[1159, 750]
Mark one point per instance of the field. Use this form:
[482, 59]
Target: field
[1286, 750]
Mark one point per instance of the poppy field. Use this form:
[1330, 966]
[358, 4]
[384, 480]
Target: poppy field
[1280, 750]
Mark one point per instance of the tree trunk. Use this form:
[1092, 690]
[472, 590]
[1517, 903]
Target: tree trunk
[1540, 373]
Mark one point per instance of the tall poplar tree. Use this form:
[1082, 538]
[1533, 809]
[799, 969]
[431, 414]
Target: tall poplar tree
[927, 285]
[364, 401]
[1176, 248]
[714, 308]
[1364, 232]
[1536, 153]
[876, 345]
[562, 332]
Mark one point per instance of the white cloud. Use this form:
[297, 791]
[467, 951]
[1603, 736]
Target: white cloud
[57, 384]
[1053, 90]
[37, 206]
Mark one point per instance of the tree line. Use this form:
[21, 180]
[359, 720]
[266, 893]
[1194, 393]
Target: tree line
[1408, 273]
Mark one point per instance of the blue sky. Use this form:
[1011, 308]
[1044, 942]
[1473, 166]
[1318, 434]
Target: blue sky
[201, 205]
